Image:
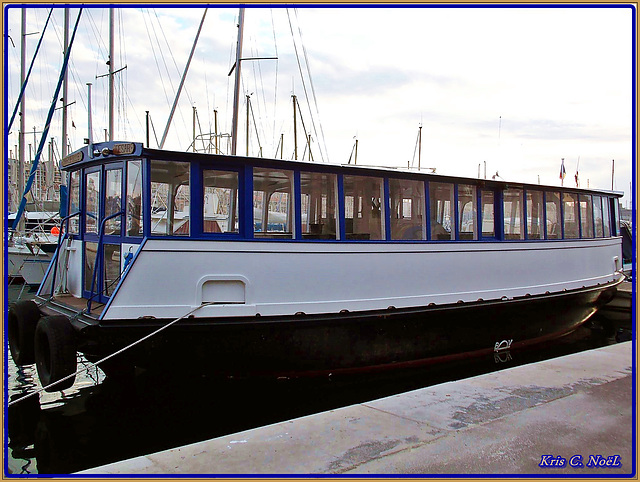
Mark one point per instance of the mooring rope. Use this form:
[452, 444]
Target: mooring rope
[92, 364]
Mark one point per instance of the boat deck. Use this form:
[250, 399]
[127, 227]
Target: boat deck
[72, 303]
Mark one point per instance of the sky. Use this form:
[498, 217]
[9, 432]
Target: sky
[512, 89]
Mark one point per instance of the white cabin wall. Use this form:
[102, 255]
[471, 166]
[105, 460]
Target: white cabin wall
[74, 272]
[169, 278]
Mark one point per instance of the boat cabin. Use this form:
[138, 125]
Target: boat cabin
[122, 193]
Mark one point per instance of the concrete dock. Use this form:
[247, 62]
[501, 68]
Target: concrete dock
[573, 415]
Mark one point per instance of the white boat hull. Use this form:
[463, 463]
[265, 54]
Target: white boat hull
[30, 266]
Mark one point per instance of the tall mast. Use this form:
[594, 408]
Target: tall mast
[420, 146]
[21, 134]
[236, 91]
[295, 130]
[111, 42]
[64, 87]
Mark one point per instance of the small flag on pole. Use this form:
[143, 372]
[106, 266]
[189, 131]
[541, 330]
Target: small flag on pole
[563, 173]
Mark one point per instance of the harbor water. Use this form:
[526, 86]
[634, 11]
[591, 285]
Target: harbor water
[100, 420]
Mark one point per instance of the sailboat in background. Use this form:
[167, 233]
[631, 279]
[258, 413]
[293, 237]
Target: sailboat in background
[34, 222]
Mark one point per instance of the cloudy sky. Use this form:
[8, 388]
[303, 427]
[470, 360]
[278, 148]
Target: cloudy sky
[517, 89]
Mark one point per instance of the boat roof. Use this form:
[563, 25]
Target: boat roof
[107, 152]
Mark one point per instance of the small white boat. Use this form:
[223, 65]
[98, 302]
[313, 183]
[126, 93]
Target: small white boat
[29, 254]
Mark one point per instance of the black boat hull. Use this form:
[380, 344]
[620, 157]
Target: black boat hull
[344, 342]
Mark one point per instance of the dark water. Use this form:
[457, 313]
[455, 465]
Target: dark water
[99, 420]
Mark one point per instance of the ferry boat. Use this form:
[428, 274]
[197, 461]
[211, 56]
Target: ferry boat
[253, 266]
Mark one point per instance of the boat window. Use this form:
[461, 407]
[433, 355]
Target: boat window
[74, 201]
[220, 203]
[615, 217]
[535, 215]
[134, 198]
[112, 265]
[487, 211]
[319, 200]
[92, 202]
[113, 201]
[90, 250]
[606, 217]
[586, 215]
[597, 217]
[170, 204]
[467, 212]
[407, 209]
[513, 210]
[441, 210]
[570, 211]
[364, 208]
[554, 224]
[272, 203]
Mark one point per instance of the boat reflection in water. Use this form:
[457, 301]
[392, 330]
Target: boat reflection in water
[105, 420]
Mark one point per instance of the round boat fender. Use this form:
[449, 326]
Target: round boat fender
[21, 327]
[55, 352]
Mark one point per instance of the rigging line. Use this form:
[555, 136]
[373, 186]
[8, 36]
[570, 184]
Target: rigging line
[313, 91]
[155, 57]
[204, 146]
[175, 64]
[304, 127]
[153, 128]
[261, 97]
[184, 76]
[275, 92]
[26, 80]
[102, 49]
[255, 126]
[304, 85]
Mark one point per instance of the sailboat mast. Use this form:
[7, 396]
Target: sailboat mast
[236, 91]
[64, 87]
[111, 48]
[419, 146]
[21, 134]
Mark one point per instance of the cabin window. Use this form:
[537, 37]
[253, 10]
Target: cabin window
[90, 250]
[112, 264]
[513, 214]
[554, 219]
[170, 204]
[467, 212]
[220, 203]
[319, 205]
[571, 215]
[272, 203]
[597, 217]
[92, 202]
[113, 201]
[606, 217]
[74, 201]
[364, 207]
[586, 215]
[487, 209]
[407, 209]
[441, 210]
[134, 198]
[615, 217]
[535, 215]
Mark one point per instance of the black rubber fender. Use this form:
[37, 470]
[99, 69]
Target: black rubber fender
[55, 352]
[21, 327]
